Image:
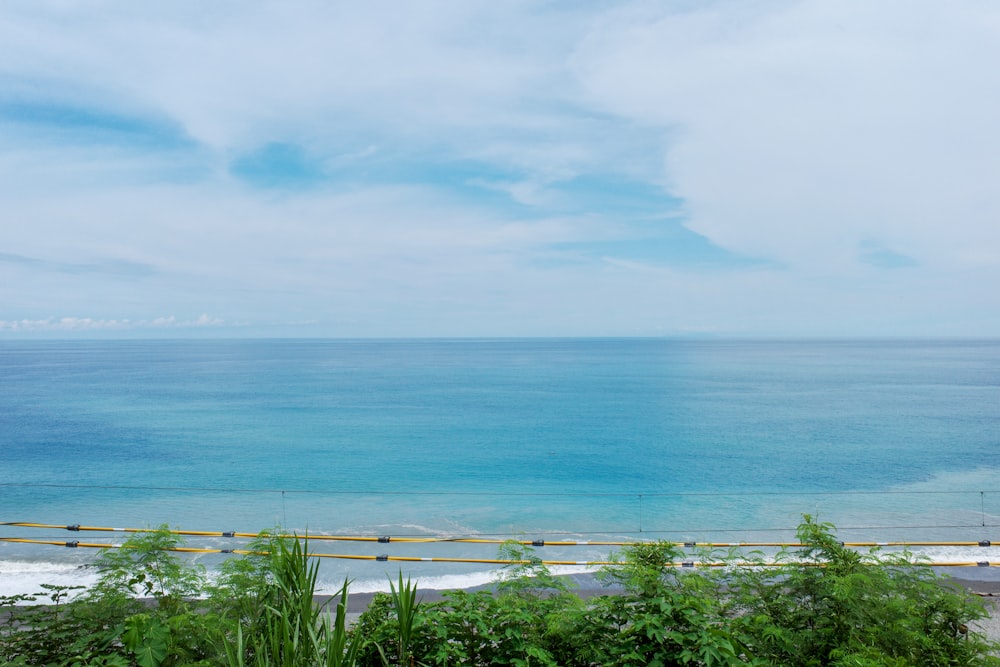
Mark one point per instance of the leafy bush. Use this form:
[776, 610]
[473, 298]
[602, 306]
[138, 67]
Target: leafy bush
[108, 625]
[508, 627]
[830, 605]
[661, 616]
[46, 633]
[824, 604]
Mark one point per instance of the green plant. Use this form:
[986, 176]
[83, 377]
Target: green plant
[481, 628]
[662, 615]
[176, 630]
[293, 631]
[831, 605]
[376, 626]
[825, 604]
[245, 587]
[148, 638]
[515, 625]
[52, 632]
[392, 626]
[147, 565]
[389, 625]
[404, 602]
[98, 660]
[526, 573]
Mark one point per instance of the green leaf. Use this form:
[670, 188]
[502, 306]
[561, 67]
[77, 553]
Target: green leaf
[148, 638]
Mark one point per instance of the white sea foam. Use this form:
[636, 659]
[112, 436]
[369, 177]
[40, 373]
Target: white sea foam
[442, 581]
[25, 577]
[434, 582]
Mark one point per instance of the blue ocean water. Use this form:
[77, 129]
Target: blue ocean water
[590, 439]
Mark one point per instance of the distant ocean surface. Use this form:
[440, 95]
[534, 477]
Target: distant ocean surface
[581, 439]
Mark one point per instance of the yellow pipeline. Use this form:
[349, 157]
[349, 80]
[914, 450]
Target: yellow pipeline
[486, 561]
[477, 540]
[332, 538]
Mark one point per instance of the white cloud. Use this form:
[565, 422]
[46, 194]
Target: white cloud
[803, 127]
[842, 140]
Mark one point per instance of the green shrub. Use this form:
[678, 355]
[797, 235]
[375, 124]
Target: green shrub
[660, 616]
[824, 604]
[108, 625]
[831, 605]
[508, 627]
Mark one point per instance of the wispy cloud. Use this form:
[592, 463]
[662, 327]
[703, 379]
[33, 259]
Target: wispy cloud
[106, 266]
[85, 324]
[48, 121]
[876, 254]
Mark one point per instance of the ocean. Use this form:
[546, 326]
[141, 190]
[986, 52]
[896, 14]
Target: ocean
[539, 439]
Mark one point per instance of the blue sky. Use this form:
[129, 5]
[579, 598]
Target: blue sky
[463, 168]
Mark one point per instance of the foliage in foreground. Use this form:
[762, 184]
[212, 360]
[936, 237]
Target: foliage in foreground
[823, 605]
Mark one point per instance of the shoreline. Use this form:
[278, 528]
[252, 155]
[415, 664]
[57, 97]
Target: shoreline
[981, 581]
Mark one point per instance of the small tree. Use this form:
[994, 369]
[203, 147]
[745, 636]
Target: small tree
[147, 565]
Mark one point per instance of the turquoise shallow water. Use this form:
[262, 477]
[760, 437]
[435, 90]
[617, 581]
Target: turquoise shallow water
[587, 438]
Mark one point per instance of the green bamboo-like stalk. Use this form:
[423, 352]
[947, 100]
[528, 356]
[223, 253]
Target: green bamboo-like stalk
[404, 600]
[295, 631]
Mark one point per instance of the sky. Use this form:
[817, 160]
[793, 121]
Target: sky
[467, 168]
